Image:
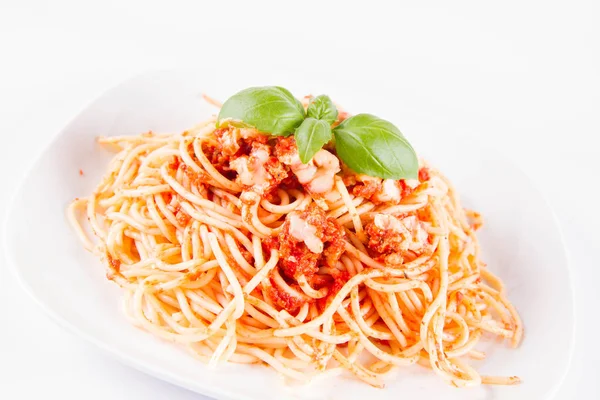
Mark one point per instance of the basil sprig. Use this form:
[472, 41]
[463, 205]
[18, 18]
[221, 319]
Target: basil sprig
[367, 144]
[310, 136]
[375, 147]
[270, 109]
[321, 107]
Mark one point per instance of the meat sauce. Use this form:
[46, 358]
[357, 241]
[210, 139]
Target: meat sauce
[297, 258]
[309, 239]
[394, 239]
[379, 190]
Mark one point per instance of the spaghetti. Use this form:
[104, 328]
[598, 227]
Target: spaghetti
[223, 242]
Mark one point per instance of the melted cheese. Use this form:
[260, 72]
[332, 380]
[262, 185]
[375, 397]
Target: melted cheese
[251, 170]
[412, 183]
[410, 228]
[389, 191]
[318, 174]
[305, 232]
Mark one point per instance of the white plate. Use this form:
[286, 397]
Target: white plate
[521, 241]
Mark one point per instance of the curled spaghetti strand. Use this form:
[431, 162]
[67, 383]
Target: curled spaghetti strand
[223, 243]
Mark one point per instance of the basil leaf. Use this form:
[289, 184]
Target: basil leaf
[270, 109]
[310, 137]
[321, 107]
[375, 147]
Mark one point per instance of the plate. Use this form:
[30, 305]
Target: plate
[521, 241]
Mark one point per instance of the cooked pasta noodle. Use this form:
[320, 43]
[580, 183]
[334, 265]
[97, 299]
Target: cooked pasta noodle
[224, 244]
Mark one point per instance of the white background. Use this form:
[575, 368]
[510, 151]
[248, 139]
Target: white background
[533, 68]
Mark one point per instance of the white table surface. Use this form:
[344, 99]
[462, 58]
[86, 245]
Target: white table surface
[536, 62]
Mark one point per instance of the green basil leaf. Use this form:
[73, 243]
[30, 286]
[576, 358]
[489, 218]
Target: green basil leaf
[375, 147]
[310, 137]
[321, 107]
[270, 109]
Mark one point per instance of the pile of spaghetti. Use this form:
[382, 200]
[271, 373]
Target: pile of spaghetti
[224, 242]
